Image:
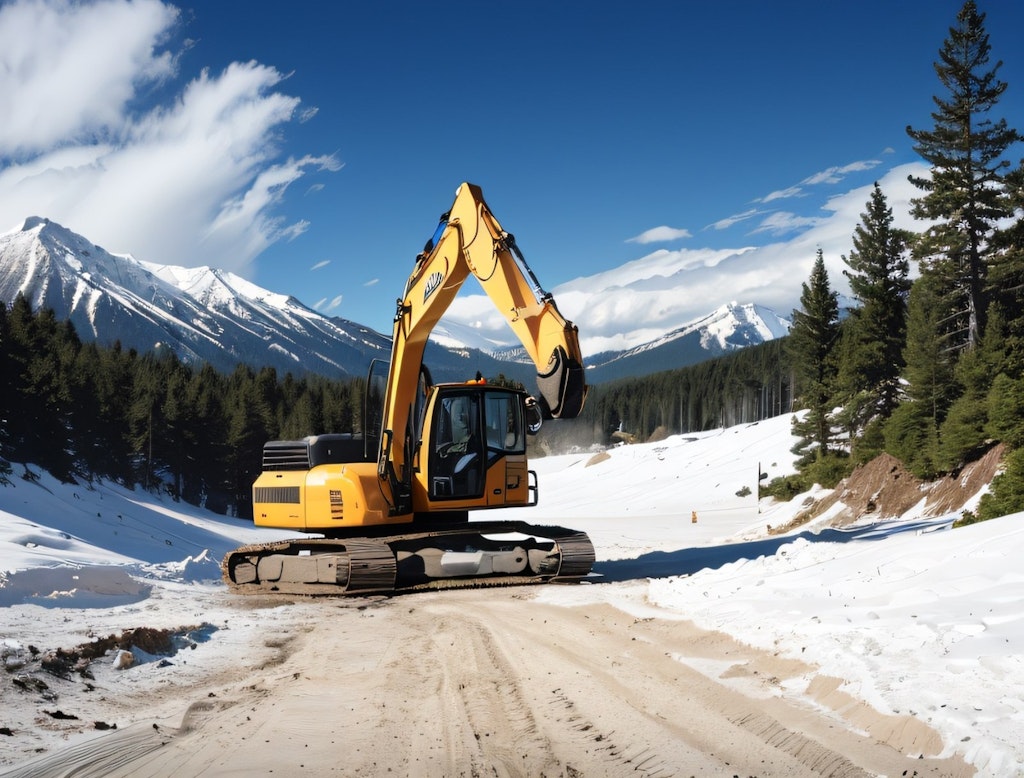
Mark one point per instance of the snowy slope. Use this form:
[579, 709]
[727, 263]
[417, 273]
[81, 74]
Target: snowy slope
[918, 618]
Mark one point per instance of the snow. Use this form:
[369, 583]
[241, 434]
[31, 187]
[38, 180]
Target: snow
[219, 289]
[916, 617]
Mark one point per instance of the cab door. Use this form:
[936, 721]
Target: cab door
[507, 477]
[474, 448]
[455, 450]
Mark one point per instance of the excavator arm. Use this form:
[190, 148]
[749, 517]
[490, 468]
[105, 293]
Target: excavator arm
[470, 241]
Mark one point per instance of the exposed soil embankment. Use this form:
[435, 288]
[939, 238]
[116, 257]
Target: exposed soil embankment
[884, 489]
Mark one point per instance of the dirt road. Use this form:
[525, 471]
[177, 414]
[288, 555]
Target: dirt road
[498, 682]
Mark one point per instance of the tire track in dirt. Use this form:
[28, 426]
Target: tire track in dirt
[508, 740]
[643, 761]
[500, 682]
[537, 680]
[612, 694]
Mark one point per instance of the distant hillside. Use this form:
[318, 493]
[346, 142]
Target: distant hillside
[202, 314]
[209, 315]
[730, 327]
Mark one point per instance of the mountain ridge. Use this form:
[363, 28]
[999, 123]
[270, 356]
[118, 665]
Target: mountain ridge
[205, 314]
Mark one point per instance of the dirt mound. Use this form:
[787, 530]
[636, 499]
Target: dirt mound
[885, 489]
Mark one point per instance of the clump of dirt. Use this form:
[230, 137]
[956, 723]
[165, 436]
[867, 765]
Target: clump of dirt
[660, 433]
[62, 662]
[885, 489]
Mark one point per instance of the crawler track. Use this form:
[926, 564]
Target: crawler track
[442, 557]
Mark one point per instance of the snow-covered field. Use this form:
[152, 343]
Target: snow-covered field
[919, 619]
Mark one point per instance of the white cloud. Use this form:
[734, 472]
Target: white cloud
[729, 221]
[665, 290]
[75, 153]
[781, 194]
[834, 175]
[781, 222]
[660, 234]
[320, 264]
[372, 282]
[68, 70]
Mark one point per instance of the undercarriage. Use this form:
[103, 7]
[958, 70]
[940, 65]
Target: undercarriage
[501, 553]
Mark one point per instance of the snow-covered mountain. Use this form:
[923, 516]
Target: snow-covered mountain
[730, 327]
[209, 315]
[203, 314]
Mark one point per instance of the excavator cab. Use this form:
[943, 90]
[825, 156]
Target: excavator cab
[472, 453]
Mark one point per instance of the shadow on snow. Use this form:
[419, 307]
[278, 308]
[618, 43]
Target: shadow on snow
[687, 561]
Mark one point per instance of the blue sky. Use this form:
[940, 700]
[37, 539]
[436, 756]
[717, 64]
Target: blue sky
[706, 148]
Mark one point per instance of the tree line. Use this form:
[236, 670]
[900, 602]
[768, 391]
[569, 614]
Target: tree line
[740, 387]
[82, 411]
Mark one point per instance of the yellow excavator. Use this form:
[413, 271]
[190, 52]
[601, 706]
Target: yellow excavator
[391, 504]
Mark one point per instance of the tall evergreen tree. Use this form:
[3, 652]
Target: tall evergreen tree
[1006, 274]
[911, 434]
[7, 393]
[965, 194]
[875, 331]
[811, 344]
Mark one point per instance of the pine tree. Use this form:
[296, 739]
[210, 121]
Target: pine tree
[911, 434]
[205, 472]
[7, 394]
[811, 345]
[1006, 394]
[1006, 274]
[871, 359]
[965, 194]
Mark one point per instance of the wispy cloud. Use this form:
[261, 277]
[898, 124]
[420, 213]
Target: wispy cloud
[783, 222]
[325, 305]
[661, 234]
[834, 175]
[320, 264]
[76, 147]
[372, 282]
[729, 221]
[781, 194]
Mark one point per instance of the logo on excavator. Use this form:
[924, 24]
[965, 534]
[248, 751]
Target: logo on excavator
[433, 282]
